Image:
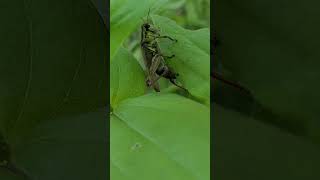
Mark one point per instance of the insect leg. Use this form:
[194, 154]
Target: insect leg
[151, 83]
[155, 31]
[173, 82]
[164, 70]
[167, 37]
[145, 44]
[167, 57]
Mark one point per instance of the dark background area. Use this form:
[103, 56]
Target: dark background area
[53, 90]
[270, 48]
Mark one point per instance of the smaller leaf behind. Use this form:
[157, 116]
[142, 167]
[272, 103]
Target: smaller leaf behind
[127, 77]
[192, 55]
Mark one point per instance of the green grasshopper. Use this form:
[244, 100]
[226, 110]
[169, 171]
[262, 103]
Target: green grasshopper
[154, 60]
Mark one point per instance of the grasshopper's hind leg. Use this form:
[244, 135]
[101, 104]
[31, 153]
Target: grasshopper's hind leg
[153, 83]
[174, 83]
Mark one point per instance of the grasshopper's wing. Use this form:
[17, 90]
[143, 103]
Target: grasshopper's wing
[151, 67]
[147, 56]
[156, 61]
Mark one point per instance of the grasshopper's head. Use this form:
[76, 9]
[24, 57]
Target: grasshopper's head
[147, 23]
[146, 26]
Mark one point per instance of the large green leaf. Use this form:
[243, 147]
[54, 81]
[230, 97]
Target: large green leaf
[126, 15]
[52, 74]
[272, 51]
[125, 141]
[245, 148]
[160, 136]
[192, 55]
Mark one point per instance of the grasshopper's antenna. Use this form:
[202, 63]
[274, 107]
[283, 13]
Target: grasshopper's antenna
[148, 15]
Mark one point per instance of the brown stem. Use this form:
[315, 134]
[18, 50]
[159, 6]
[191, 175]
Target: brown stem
[219, 77]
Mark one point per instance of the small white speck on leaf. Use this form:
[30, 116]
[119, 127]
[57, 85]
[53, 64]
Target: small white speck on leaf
[136, 146]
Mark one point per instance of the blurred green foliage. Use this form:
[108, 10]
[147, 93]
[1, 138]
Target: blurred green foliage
[190, 14]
